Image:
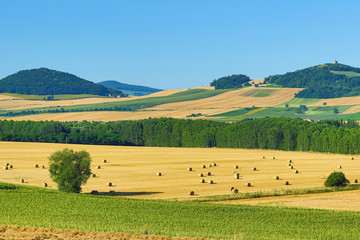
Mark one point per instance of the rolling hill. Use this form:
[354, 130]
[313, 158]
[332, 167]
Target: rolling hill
[134, 90]
[321, 81]
[43, 81]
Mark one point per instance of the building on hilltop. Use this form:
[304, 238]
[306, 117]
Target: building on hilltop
[335, 62]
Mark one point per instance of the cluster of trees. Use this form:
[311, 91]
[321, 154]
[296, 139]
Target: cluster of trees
[320, 82]
[270, 133]
[233, 81]
[44, 81]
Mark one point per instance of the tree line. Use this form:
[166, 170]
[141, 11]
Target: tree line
[269, 133]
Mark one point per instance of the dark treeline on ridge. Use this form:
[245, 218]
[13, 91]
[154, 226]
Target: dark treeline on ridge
[270, 133]
[228, 82]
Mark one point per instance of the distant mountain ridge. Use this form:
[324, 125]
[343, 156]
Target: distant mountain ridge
[43, 81]
[130, 89]
[321, 81]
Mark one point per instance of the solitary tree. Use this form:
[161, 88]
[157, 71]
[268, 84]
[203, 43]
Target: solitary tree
[324, 104]
[336, 179]
[70, 169]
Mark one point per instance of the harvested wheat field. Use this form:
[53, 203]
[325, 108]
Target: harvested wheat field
[16, 232]
[133, 171]
[344, 101]
[348, 200]
[119, 115]
[234, 98]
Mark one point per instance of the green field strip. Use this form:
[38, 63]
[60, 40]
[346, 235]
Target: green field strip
[35, 207]
[349, 74]
[259, 93]
[296, 102]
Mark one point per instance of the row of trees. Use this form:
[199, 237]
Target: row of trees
[270, 133]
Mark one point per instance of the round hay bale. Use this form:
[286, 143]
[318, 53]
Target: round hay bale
[287, 183]
[204, 166]
[10, 166]
[273, 158]
[201, 175]
[158, 174]
[22, 180]
[6, 167]
[104, 161]
[214, 164]
[211, 182]
[209, 173]
[248, 184]
[210, 165]
[98, 167]
[276, 177]
[43, 166]
[7, 164]
[192, 193]
[237, 176]
[289, 164]
[290, 161]
[356, 181]
[94, 175]
[254, 168]
[202, 180]
[110, 184]
[45, 184]
[352, 158]
[339, 167]
[291, 167]
[94, 192]
[236, 190]
[189, 169]
[263, 157]
[236, 166]
[296, 171]
[232, 188]
[36, 165]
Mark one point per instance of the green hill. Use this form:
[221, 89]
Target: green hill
[322, 81]
[228, 82]
[129, 89]
[43, 81]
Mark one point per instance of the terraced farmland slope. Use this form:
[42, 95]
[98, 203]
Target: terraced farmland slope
[133, 170]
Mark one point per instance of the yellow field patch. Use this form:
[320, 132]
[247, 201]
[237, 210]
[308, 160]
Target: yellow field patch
[254, 111]
[132, 170]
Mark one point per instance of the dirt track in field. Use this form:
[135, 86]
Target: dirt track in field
[27, 233]
[132, 170]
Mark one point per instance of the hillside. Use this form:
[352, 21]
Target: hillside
[135, 90]
[321, 81]
[43, 81]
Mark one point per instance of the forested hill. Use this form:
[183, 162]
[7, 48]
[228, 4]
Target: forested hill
[43, 81]
[130, 89]
[322, 81]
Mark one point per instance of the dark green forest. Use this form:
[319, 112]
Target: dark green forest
[269, 133]
[320, 82]
[233, 81]
[44, 81]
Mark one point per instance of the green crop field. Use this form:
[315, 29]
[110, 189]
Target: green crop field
[347, 73]
[296, 102]
[234, 113]
[56, 97]
[38, 207]
[259, 92]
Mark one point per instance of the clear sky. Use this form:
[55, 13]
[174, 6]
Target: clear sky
[173, 44]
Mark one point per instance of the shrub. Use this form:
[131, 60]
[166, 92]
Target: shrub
[70, 169]
[336, 179]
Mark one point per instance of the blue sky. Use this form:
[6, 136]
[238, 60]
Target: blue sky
[176, 44]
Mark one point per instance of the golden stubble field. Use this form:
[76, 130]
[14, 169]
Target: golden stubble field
[132, 170]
